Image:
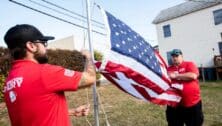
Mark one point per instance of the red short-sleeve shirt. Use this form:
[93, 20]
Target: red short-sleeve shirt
[34, 93]
[191, 89]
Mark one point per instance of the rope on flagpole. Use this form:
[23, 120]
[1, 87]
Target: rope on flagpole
[103, 109]
[87, 97]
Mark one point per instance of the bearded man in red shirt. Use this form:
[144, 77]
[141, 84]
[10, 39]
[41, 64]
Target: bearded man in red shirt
[34, 90]
[184, 76]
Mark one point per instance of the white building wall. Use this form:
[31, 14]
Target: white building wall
[65, 43]
[195, 34]
[69, 43]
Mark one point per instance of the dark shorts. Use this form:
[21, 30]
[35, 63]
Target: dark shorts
[191, 116]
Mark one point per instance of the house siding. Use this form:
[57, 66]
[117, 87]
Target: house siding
[195, 34]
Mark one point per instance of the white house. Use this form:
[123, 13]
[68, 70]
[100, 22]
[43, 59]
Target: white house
[69, 43]
[193, 27]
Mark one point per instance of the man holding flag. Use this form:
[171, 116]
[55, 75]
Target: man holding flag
[184, 77]
[34, 90]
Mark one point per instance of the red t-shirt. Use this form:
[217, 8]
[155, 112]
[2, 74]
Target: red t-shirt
[191, 89]
[34, 93]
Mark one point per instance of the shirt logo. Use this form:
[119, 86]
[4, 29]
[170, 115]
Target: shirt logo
[13, 83]
[69, 73]
[12, 96]
[182, 70]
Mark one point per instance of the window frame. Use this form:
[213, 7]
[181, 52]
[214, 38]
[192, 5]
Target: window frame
[167, 31]
[217, 16]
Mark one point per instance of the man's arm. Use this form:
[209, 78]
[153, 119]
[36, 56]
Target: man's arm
[89, 74]
[183, 76]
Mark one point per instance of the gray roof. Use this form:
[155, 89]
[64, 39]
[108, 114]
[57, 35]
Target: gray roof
[181, 10]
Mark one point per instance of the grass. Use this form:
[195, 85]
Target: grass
[124, 110]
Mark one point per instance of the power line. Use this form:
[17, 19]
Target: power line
[56, 10]
[58, 18]
[63, 13]
[50, 3]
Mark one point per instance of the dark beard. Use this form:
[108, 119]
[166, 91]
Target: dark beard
[41, 58]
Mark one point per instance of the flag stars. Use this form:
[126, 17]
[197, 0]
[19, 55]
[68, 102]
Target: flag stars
[129, 39]
[117, 45]
[129, 50]
[114, 25]
[117, 33]
[155, 63]
[151, 56]
[123, 42]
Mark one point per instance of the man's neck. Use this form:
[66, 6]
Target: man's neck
[178, 64]
[31, 59]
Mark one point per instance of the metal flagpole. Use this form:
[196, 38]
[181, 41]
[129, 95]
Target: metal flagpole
[95, 97]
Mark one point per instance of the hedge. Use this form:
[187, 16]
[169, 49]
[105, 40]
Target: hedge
[68, 59]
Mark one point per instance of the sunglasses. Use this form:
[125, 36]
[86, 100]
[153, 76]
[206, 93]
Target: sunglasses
[45, 44]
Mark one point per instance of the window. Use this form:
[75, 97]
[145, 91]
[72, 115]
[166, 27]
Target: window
[217, 16]
[166, 31]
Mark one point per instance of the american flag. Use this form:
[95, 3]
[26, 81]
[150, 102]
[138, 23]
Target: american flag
[133, 65]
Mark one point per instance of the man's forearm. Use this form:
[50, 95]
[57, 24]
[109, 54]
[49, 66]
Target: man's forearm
[89, 74]
[186, 76]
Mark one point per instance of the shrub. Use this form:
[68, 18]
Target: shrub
[4, 61]
[2, 81]
[98, 57]
[68, 59]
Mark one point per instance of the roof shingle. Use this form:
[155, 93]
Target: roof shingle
[181, 10]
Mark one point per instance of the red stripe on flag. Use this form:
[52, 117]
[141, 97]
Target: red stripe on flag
[112, 68]
[156, 100]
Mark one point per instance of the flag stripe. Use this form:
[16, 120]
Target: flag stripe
[163, 99]
[147, 73]
[169, 97]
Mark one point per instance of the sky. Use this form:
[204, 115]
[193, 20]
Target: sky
[138, 14]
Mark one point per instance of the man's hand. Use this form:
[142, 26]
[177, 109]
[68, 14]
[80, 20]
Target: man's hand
[172, 75]
[188, 76]
[87, 54]
[82, 110]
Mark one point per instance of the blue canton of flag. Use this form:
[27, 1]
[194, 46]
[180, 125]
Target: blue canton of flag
[127, 42]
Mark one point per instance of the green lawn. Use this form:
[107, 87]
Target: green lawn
[124, 110]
